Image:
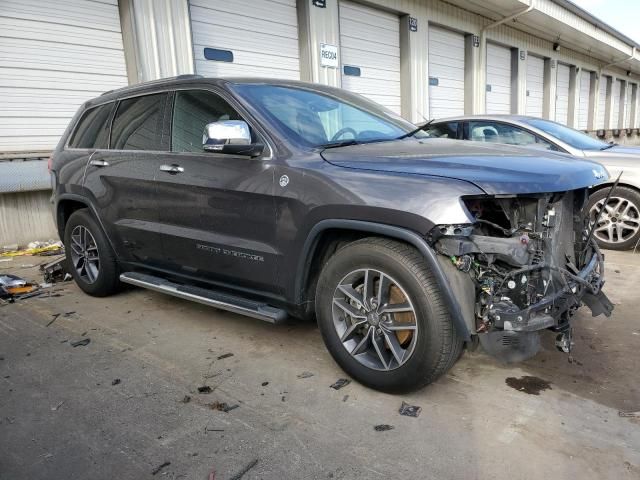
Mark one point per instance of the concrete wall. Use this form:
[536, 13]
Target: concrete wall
[25, 217]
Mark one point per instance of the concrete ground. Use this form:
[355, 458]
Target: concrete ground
[63, 415]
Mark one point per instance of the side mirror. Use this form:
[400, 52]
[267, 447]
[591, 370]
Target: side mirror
[230, 136]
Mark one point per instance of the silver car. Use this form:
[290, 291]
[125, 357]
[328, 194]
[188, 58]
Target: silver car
[619, 225]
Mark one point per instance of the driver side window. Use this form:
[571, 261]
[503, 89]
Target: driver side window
[192, 111]
[496, 132]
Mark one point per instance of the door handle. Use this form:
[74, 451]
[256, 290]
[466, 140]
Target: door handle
[99, 163]
[172, 169]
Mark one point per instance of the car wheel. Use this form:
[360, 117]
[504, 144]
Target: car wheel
[619, 224]
[90, 258]
[383, 318]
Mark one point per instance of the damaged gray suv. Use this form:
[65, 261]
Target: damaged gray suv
[278, 199]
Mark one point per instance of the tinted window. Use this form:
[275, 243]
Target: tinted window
[92, 130]
[496, 132]
[568, 135]
[138, 124]
[193, 110]
[315, 118]
[443, 130]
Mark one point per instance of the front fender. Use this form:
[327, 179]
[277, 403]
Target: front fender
[408, 236]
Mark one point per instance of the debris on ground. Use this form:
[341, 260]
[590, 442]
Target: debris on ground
[345, 398]
[160, 467]
[225, 355]
[222, 406]
[383, 428]
[81, 343]
[55, 317]
[12, 287]
[629, 414]
[244, 471]
[527, 384]
[264, 384]
[341, 382]
[35, 248]
[55, 409]
[116, 381]
[305, 375]
[186, 399]
[55, 271]
[205, 389]
[212, 475]
[409, 410]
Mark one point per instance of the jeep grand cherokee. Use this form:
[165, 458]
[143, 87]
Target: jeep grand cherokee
[279, 198]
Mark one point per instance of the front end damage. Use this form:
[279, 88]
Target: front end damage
[523, 266]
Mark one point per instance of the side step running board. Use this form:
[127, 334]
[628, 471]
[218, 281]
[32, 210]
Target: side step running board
[223, 301]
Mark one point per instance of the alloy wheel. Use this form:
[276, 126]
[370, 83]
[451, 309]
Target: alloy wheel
[375, 319]
[84, 254]
[619, 221]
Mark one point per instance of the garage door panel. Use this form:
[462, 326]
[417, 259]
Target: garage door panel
[252, 25]
[82, 59]
[584, 100]
[51, 61]
[51, 32]
[70, 12]
[617, 87]
[535, 86]
[263, 37]
[498, 98]
[602, 102]
[562, 94]
[259, 14]
[370, 40]
[446, 64]
[371, 17]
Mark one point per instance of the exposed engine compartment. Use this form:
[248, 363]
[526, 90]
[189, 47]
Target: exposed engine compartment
[531, 266]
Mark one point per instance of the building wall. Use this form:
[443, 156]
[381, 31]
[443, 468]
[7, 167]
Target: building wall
[25, 217]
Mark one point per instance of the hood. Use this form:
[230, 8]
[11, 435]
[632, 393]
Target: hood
[496, 169]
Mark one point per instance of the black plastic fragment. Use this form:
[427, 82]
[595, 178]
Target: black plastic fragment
[409, 410]
[341, 382]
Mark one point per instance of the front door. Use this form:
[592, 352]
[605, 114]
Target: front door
[121, 178]
[217, 210]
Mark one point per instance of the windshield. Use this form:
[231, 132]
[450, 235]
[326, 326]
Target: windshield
[322, 119]
[572, 137]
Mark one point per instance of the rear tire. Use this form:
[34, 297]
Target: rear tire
[426, 351]
[619, 225]
[90, 258]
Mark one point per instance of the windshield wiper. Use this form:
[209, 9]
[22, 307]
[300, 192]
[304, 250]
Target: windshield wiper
[607, 147]
[343, 143]
[413, 132]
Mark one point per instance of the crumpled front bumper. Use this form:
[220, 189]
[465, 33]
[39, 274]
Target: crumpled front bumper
[551, 311]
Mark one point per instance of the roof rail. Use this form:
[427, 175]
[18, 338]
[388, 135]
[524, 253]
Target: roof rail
[155, 82]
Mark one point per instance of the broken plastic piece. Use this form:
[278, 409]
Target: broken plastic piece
[205, 389]
[383, 428]
[81, 343]
[409, 410]
[305, 375]
[341, 382]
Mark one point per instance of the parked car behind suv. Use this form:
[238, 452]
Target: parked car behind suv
[280, 198]
[619, 225]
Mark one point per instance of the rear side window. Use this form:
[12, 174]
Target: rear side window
[92, 130]
[193, 110]
[443, 130]
[138, 124]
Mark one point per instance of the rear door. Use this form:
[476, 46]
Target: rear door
[121, 179]
[217, 212]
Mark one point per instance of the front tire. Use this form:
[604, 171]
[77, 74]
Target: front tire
[619, 225]
[382, 316]
[90, 258]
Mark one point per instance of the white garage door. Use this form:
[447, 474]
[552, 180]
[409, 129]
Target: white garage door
[562, 94]
[446, 73]
[370, 50]
[627, 113]
[498, 79]
[602, 102]
[245, 38]
[535, 86]
[615, 116]
[584, 99]
[51, 61]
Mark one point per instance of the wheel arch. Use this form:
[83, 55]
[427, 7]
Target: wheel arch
[606, 185]
[327, 235]
[69, 203]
